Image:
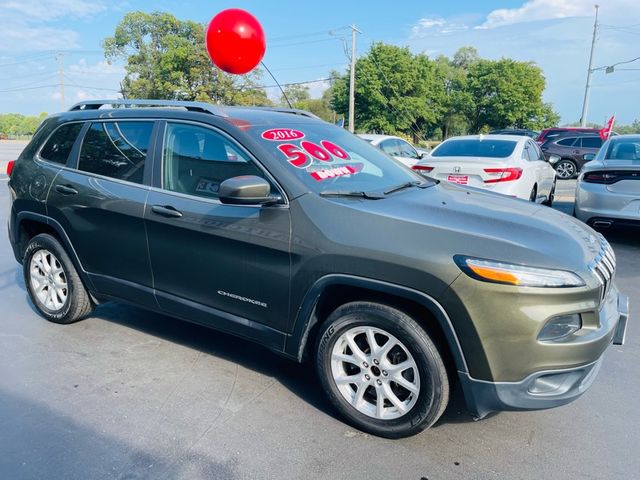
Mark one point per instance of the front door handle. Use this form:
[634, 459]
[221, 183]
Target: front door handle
[66, 190]
[166, 211]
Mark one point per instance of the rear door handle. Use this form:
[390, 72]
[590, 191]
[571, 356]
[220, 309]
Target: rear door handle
[66, 190]
[166, 211]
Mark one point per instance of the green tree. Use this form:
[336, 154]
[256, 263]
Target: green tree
[396, 92]
[166, 58]
[300, 97]
[507, 93]
[16, 125]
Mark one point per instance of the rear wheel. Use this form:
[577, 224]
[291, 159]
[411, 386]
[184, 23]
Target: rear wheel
[381, 370]
[534, 194]
[53, 282]
[566, 169]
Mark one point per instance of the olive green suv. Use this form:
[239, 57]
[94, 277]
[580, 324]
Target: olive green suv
[293, 233]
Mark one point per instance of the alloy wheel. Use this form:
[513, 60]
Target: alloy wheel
[48, 280]
[375, 372]
[565, 169]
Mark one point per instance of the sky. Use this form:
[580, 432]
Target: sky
[306, 40]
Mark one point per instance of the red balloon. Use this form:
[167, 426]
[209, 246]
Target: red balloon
[235, 41]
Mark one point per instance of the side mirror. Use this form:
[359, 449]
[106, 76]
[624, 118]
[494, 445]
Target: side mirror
[588, 157]
[553, 159]
[246, 190]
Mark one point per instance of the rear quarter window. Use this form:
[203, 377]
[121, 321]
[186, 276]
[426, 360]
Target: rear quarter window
[57, 148]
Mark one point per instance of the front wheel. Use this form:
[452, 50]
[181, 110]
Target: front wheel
[566, 169]
[381, 370]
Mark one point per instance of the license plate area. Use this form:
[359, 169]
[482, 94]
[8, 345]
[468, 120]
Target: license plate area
[459, 179]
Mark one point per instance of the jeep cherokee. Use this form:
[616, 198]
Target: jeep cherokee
[291, 232]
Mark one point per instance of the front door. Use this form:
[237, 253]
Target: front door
[208, 257]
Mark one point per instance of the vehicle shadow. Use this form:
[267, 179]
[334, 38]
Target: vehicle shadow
[39, 442]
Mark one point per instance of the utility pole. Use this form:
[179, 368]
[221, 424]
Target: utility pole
[352, 79]
[60, 59]
[587, 87]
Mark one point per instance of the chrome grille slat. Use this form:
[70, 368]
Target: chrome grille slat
[604, 266]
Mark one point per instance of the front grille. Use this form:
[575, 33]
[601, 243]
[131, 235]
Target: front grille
[604, 267]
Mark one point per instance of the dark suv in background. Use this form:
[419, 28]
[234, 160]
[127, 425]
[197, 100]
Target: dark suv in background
[549, 133]
[571, 148]
[275, 226]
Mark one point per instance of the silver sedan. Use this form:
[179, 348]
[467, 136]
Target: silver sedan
[608, 191]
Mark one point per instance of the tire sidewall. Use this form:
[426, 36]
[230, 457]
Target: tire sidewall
[45, 242]
[425, 412]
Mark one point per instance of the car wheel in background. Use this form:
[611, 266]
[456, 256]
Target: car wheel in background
[53, 282]
[381, 370]
[566, 169]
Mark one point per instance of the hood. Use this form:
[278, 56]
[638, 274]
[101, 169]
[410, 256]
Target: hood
[446, 220]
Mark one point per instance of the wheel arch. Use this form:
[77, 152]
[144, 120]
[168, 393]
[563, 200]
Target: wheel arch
[30, 224]
[334, 290]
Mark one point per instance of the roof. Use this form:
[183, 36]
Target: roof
[510, 138]
[375, 136]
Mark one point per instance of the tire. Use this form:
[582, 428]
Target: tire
[417, 403]
[533, 196]
[552, 194]
[53, 283]
[566, 169]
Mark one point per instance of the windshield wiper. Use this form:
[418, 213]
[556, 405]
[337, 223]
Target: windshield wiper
[347, 193]
[402, 186]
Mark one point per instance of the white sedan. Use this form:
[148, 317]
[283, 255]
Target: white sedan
[505, 164]
[396, 147]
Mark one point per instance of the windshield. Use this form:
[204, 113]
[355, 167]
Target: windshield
[475, 147]
[327, 158]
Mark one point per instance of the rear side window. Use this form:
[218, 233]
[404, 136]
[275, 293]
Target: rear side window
[59, 145]
[567, 142]
[591, 142]
[116, 149]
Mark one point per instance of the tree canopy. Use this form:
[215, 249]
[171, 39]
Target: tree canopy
[398, 92]
[166, 58]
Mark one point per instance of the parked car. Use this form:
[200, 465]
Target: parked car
[395, 147]
[549, 133]
[572, 150]
[608, 190]
[291, 232]
[506, 164]
[515, 131]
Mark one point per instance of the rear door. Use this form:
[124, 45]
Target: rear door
[589, 145]
[99, 201]
[209, 257]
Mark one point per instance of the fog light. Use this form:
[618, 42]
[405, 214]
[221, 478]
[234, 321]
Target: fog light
[560, 327]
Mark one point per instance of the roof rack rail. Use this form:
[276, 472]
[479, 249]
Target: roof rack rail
[201, 107]
[293, 111]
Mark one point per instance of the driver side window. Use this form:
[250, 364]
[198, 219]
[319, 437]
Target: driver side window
[391, 147]
[196, 160]
[407, 150]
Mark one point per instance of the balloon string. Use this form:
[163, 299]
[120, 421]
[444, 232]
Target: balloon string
[278, 84]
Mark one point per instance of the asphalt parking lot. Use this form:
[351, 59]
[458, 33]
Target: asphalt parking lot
[130, 394]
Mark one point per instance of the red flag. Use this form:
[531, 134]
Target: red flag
[605, 132]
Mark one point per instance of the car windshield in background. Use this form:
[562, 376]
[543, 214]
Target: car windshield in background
[624, 149]
[330, 159]
[475, 148]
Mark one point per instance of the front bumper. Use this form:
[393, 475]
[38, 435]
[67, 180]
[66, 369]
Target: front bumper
[543, 389]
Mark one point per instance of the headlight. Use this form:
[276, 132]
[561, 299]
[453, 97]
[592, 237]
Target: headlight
[510, 274]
